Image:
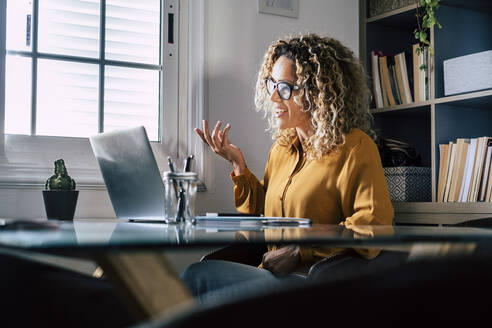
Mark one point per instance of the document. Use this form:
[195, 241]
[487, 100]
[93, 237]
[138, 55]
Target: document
[254, 219]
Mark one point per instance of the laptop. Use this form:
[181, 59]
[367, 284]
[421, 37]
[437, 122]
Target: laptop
[131, 174]
[135, 186]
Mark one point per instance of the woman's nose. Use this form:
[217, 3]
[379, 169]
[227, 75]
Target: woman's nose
[275, 97]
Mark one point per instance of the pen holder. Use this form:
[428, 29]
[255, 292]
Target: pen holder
[180, 194]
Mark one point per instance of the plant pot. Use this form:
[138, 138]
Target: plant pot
[60, 204]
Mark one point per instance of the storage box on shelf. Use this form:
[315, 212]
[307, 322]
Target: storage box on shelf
[378, 7]
[409, 183]
[440, 118]
[468, 73]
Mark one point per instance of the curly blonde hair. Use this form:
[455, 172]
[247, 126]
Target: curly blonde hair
[333, 90]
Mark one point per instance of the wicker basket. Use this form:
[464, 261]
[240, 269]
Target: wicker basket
[377, 7]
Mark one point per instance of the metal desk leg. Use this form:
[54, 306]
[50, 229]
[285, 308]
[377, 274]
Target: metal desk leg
[148, 283]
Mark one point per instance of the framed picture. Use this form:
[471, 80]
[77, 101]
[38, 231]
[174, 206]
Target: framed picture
[289, 8]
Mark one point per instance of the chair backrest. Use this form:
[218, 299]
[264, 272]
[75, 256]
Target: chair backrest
[350, 264]
[434, 292]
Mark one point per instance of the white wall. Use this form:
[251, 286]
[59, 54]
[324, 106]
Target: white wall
[237, 37]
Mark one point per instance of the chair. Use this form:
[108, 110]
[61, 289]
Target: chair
[41, 295]
[331, 268]
[429, 292]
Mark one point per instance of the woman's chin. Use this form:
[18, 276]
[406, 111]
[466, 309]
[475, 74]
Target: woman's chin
[282, 125]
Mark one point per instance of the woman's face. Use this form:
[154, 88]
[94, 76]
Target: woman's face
[287, 112]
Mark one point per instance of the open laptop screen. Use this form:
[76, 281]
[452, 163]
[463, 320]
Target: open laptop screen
[130, 173]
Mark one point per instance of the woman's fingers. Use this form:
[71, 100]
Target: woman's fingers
[225, 135]
[215, 136]
[200, 133]
[206, 134]
[218, 139]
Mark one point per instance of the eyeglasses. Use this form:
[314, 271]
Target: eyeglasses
[284, 89]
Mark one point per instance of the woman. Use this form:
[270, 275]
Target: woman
[323, 164]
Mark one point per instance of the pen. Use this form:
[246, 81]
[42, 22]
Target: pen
[281, 222]
[171, 164]
[181, 206]
[173, 170]
[233, 214]
[187, 163]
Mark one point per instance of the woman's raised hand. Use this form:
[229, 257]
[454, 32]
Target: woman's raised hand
[220, 144]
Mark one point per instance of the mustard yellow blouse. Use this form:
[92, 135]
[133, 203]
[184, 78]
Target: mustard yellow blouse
[346, 186]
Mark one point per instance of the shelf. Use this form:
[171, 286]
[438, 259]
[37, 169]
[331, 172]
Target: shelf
[420, 106]
[478, 99]
[425, 125]
[440, 213]
[440, 207]
[392, 17]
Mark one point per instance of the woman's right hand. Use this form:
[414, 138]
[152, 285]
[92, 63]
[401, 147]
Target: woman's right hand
[220, 144]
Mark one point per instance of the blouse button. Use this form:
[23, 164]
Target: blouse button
[280, 198]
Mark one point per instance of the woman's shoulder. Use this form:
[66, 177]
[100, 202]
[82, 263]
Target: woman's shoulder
[358, 138]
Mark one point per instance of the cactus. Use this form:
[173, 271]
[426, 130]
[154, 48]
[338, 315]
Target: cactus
[60, 180]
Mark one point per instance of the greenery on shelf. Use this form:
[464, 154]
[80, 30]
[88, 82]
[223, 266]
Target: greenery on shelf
[424, 23]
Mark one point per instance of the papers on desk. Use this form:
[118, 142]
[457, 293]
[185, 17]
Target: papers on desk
[256, 220]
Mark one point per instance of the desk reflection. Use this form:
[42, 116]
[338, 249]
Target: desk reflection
[102, 234]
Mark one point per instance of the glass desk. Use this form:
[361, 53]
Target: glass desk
[107, 234]
[130, 253]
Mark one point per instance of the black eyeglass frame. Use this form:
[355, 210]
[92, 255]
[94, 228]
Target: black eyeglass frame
[275, 87]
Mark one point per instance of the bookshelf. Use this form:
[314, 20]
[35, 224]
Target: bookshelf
[439, 119]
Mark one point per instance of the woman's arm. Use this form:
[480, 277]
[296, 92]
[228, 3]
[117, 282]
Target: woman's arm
[364, 193]
[249, 192]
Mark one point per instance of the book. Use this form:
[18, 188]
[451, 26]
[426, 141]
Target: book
[376, 82]
[470, 158]
[485, 174]
[487, 141]
[407, 77]
[399, 80]
[452, 150]
[394, 84]
[478, 168]
[403, 78]
[383, 83]
[425, 85]
[474, 169]
[443, 167]
[383, 63]
[420, 76]
[416, 74]
[488, 194]
[459, 166]
[446, 170]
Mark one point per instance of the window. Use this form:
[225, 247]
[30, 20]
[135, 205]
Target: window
[78, 67]
[72, 68]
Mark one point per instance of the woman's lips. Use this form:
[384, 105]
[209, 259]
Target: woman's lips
[280, 112]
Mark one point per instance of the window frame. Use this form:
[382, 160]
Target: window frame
[26, 161]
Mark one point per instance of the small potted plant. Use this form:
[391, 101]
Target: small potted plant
[60, 196]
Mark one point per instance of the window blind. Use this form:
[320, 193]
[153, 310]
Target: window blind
[68, 95]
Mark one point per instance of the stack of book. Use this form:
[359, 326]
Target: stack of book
[392, 79]
[464, 170]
